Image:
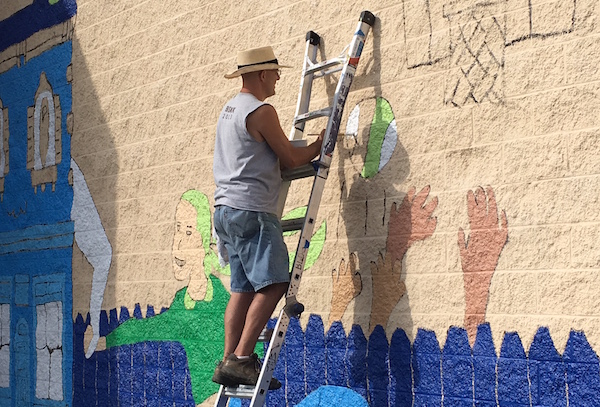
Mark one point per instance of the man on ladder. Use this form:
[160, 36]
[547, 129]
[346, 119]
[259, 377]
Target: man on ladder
[250, 150]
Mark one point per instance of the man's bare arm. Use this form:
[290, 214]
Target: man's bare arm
[263, 125]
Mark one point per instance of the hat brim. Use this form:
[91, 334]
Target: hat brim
[254, 68]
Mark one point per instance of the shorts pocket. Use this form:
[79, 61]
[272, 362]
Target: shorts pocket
[243, 224]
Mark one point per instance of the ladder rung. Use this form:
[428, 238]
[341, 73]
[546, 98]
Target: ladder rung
[312, 115]
[321, 66]
[321, 74]
[265, 335]
[289, 225]
[303, 171]
[241, 391]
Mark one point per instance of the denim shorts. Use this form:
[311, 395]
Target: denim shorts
[258, 255]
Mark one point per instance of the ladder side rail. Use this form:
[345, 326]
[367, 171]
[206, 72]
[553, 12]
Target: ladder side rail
[364, 25]
[222, 399]
[297, 132]
[304, 240]
[270, 361]
[312, 45]
[343, 87]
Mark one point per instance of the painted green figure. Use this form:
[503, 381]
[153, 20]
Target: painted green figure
[195, 317]
[199, 330]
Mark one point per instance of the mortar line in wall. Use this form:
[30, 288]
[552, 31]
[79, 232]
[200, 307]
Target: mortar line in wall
[157, 83]
[593, 316]
[558, 88]
[445, 192]
[137, 4]
[222, 93]
[202, 67]
[141, 142]
[84, 29]
[212, 32]
[225, 29]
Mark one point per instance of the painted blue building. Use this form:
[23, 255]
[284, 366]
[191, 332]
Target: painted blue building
[36, 231]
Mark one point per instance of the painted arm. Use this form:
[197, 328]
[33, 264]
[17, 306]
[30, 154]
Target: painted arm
[93, 242]
[263, 124]
[409, 223]
[479, 254]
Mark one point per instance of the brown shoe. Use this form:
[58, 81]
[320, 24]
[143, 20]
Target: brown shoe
[234, 371]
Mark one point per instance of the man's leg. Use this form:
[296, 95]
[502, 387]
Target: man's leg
[258, 313]
[235, 317]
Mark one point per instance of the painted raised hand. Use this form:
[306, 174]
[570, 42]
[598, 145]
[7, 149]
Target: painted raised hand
[347, 284]
[410, 222]
[480, 253]
[387, 289]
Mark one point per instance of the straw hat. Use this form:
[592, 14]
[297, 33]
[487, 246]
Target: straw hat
[255, 59]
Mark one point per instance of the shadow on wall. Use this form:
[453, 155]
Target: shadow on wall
[371, 161]
[95, 167]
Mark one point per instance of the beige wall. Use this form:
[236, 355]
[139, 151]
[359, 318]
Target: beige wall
[505, 96]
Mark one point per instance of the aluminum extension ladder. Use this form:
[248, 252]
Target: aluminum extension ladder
[319, 169]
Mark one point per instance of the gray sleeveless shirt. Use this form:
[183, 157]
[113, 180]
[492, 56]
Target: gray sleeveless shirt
[246, 171]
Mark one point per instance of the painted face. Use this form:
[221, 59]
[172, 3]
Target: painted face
[188, 253]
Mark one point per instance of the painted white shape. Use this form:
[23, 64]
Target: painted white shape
[389, 144]
[49, 355]
[4, 345]
[53, 323]
[51, 154]
[4, 324]
[40, 329]
[93, 243]
[352, 124]
[2, 153]
[42, 377]
[56, 387]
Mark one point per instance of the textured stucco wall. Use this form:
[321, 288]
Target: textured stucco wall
[465, 188]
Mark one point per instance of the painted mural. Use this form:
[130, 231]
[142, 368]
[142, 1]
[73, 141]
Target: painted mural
[36, 227]
[365, 350]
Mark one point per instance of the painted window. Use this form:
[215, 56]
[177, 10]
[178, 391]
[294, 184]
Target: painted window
[48, 343]
[44, 136]
[48, 298]
[4, 345]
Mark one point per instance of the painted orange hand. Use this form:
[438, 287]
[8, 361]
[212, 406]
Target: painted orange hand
[411, 222]
[347, 284]
[488, 233]
[387, 289]
[480, 253]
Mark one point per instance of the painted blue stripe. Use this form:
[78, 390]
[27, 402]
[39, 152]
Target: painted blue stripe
[55, 242]
[37, 237]
[36, 232]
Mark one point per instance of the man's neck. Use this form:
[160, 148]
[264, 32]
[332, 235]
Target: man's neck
[256, 94]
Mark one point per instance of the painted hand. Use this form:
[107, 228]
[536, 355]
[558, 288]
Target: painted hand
[347, 284]
[480, 253]
[410, 222]
[387, 289]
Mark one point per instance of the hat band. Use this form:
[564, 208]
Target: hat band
[273, 61]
